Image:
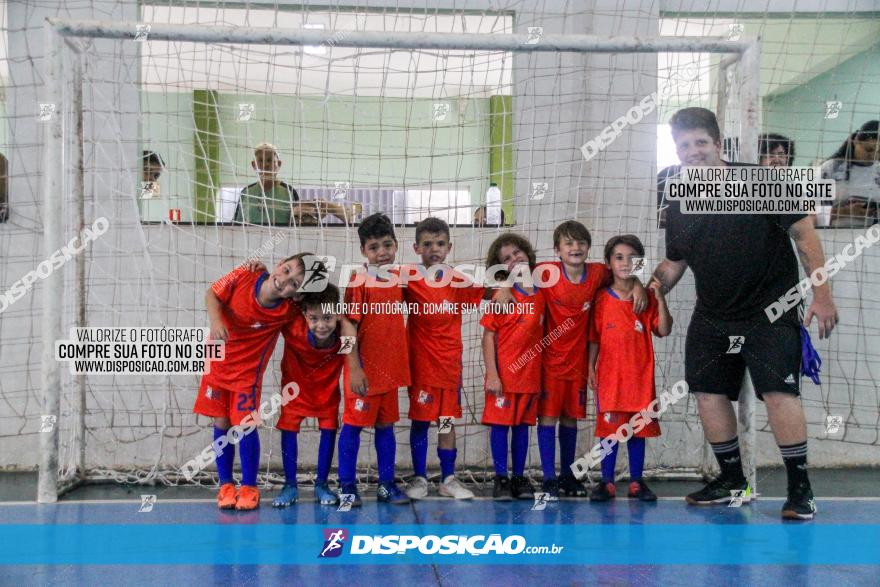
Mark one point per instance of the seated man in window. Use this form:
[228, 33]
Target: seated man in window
[269, 200]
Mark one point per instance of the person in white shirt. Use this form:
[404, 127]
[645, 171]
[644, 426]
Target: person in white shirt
[855, 167]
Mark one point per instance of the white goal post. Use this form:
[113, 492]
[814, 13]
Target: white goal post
[60, 146]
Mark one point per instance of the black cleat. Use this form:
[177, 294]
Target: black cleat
[639, 490]
[603, 491]
[521, 488]
[719, 491]
[551, 487]
[800, 504]
[501, 489]
[571, 487]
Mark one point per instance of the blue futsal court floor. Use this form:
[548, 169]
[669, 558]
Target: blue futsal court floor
[190, 542]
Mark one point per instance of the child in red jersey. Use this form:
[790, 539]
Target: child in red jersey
[313, 361]
[379, 364]
[435, 347]
[247, 309]
[563, 396]
[513, 366]
[622, 363]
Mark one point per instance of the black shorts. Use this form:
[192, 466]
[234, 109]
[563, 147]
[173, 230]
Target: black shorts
[717, 353]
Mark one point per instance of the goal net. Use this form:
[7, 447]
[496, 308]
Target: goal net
[154, 128]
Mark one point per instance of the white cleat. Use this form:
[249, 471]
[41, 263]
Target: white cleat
[452, 487]
[418, 488]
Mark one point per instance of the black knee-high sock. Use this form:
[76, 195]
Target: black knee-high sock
[729, 459]
[795, 458]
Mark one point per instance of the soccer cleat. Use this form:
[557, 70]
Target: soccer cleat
[389, 492]
[226, 496]
[603, 491]
[551, 487]
[352, 489]
[287, 497]
[452, 487]
[571, 487]
[521, 488]
[800, 504]
[248, 498]
[418, 489]
[501, 489]
[325, 495]
[718, 491]
[639, 490]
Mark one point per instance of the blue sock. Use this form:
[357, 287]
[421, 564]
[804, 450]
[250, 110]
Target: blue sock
[498, 441]
[519, 445]
[447, 461]
[225, 460]
[547, 448]
[635, 448]
[567, 447]
[418, 446]
[288, 456]
[349, 444]
[608, 465]
[386, 449]
[249, 451]
[325, 454]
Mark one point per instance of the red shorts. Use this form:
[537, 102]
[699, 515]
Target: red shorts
[221, 403]
[296, 411]
[370, 410]
[428, 404]
[607, 424]
[511, 409]
[563, 398]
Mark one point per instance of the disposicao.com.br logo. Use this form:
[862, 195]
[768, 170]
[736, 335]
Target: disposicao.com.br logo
[430, 544]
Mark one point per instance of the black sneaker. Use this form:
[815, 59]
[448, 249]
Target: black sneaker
[603, 491]
[720, 490]
[521, 488]
[571, 487]
[638, 490]
[389, 492]
[800, 504]
[551, 487]
[501, 489]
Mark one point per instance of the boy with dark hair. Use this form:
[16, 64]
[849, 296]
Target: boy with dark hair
[435, 349]
[775, 150]
[371, 392]
[312, 361]
[563, 397]
[247, 309]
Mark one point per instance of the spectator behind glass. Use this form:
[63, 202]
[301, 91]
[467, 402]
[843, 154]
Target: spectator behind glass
[775, 150]
[480, 217]
[152, 167]
[4, 189]
[856, 171]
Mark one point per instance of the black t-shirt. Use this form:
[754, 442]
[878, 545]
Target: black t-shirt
[741, 262]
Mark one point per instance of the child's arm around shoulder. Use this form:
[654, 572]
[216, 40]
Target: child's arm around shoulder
[664, 321]
[215, 315]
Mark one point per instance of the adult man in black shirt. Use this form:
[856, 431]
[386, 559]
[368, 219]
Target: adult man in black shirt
[741, 264]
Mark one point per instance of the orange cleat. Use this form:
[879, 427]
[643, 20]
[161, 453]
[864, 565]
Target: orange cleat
[248, 498]
[227, 496]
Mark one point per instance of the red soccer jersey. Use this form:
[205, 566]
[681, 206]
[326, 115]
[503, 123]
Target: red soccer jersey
[435, 330]
[315, 370]
[568, 314]
[625, 366]
[382, 342]
[252, 328]
[518, 342]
